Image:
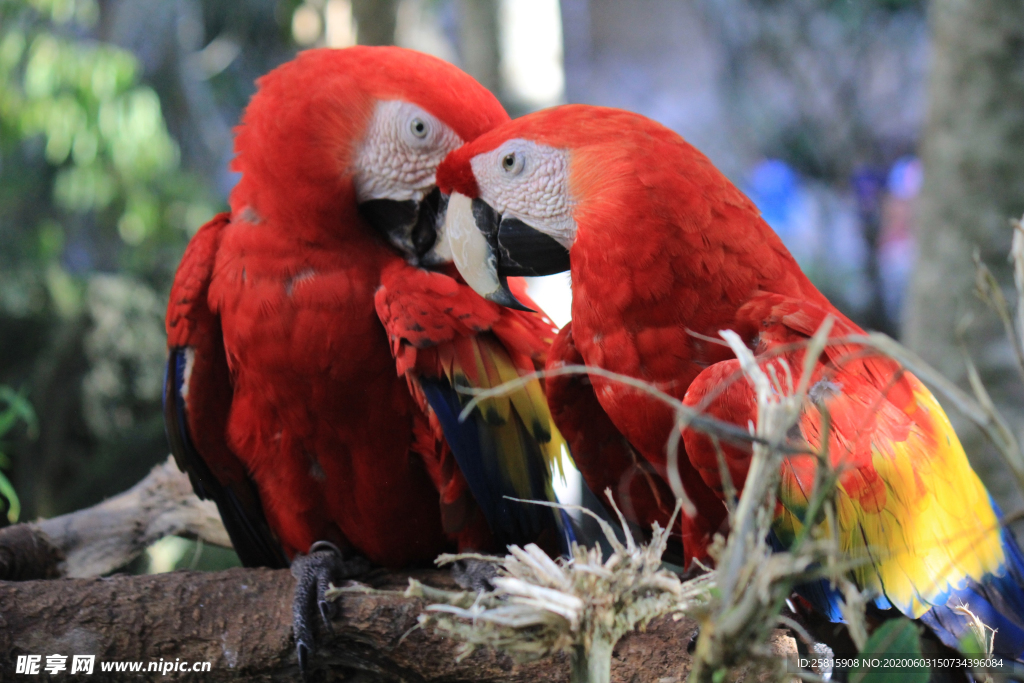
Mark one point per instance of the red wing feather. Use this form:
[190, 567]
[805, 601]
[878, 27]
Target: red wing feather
[447, 341]
[197, 400]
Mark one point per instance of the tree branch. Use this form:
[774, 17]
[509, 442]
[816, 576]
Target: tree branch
[107, 536]
[240, 621]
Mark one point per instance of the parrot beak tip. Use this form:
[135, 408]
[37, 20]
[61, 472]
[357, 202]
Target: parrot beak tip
[503, 296]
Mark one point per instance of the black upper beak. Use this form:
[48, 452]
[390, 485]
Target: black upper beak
[488, 248]
[409, 225]
[522, 251]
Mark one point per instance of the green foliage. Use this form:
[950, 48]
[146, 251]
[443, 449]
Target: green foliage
[896, 638]
[77, 106]
[92, 192]
[16, 408]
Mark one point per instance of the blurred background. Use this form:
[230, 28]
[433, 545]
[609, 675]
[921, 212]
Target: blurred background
[882, 139]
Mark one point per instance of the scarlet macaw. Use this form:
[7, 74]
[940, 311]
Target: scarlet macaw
[311, 387]
[664, 252]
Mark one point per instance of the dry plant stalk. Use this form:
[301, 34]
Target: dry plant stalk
[980, 409]
[753, 579]
[734, 629]
[582, 605]
[585, 604]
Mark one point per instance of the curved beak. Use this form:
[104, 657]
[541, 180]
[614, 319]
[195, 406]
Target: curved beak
[409, 225]
[488, 249]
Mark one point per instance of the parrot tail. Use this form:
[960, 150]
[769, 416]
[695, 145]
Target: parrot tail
[997, 600]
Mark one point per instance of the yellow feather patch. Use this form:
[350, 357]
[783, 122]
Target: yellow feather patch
[519, 415]
[936, 526]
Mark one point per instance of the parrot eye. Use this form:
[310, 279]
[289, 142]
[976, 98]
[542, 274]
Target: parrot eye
[418, 127]
[511, 163]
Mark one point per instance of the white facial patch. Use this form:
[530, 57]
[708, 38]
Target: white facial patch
[399, 156]
[528, 181]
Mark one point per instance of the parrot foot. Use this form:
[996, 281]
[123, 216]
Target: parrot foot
[474, 575]
[314, 573]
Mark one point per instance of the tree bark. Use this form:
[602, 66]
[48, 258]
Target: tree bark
[239, 620]
[973, 151]
[97, 540]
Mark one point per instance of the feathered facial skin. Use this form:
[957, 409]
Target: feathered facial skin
[362, 128]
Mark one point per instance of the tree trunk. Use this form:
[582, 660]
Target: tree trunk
[973, 151]
[480, 42]
[376, 20]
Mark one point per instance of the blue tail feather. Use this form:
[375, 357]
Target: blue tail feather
[997, 599]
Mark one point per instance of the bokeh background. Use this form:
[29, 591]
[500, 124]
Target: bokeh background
[882, 139]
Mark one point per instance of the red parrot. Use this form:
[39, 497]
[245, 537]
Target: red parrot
[664, 252]
[313, 380]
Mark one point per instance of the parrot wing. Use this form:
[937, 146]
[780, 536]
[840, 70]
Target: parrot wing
[603, 455]
[907, 501]
[197, 399]
[448, 341]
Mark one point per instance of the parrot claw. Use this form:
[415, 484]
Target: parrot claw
[314, 574]
[302, 651]
[328, 611]
[474, 575]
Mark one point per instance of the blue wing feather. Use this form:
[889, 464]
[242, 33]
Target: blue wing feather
[244, 520]
[998, 600]
[474, 445]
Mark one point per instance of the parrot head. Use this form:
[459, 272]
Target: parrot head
[359, 129]
[511, 210]
[523, 194]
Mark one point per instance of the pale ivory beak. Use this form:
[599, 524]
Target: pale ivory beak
[473, 256]
[474, 253]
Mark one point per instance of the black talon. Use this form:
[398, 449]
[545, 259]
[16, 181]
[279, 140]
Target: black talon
[302, 653]
[325, 545]
[328, 610]
[314, 574]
